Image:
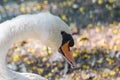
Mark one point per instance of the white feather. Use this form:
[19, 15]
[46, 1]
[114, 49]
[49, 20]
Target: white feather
[43, 26]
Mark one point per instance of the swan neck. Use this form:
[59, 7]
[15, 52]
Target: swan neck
[9, 34]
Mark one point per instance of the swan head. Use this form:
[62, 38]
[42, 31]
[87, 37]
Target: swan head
[62, 43]
[57, 35]
[64, 49]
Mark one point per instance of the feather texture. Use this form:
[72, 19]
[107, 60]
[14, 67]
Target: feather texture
[43, 26]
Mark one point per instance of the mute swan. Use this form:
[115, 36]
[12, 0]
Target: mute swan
[47, 28]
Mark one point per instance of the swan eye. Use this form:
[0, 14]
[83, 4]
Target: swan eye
[67, 37]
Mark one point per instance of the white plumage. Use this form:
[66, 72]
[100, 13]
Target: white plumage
[43, 26]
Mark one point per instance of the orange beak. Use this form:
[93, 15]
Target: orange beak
[65, 50]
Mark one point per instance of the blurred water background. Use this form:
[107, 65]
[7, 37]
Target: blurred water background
[80, 12]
